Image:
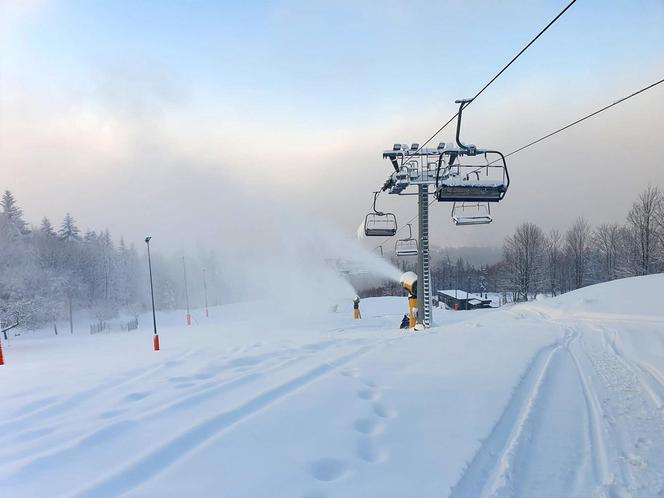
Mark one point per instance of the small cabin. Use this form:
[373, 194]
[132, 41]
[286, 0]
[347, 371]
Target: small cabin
[463, 300]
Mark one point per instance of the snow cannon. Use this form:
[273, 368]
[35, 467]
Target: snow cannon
[356, 308]
[409, 282]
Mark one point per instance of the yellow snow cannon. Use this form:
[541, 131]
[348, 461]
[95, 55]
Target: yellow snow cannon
[409, 282]
[356, 308]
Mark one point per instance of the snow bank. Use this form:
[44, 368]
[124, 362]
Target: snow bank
[636, 298]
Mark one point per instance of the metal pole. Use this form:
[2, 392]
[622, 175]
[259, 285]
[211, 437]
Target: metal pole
[154, 315]
[186, 290]
[423, 270]
[71, 314]
[205, 292]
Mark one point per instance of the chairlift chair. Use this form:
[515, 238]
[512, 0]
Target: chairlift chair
[476, 213]
[407, 246]
[461, 181]
[379, 224]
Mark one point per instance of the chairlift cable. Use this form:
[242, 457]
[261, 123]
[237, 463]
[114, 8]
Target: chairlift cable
[526, 47]
[549, 135]
[588, 116]
[560, 14]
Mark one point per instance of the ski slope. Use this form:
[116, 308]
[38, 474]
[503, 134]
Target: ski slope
[557, 397]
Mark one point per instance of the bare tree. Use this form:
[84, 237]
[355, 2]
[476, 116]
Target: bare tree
[642, 220]
[554, 262]
[607, 240]
[577, 242]
[524, 256]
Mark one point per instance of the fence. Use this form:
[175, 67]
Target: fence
[99, 327]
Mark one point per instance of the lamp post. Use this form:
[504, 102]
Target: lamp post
[154, 315]
[186, 290]
[205, 293]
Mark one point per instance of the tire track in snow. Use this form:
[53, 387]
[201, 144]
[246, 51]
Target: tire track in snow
[56, 455]
[633, 421]
[58, 406]
[491, 462]
[595, 423]
[647, 376]
[153, 463]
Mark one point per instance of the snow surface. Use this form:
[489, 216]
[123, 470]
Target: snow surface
[554, 398]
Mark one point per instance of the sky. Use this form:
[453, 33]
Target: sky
[200, 122]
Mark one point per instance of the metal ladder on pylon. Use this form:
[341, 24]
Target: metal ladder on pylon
[424, 268]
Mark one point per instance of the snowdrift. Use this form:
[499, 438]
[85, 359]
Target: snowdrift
[636, 298]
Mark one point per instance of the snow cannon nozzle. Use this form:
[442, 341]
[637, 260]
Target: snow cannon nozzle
[409, 282]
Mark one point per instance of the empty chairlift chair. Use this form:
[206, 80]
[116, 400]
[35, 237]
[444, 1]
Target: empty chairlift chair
[459, 179]
[475, 213]
[379, 224]
[407, 246]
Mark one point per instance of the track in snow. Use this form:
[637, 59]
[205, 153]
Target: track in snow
[583, 421]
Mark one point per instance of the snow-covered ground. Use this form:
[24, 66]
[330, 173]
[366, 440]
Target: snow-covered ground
[559, 397]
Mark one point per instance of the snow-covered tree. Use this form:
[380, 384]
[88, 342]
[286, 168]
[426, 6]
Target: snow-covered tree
[13, 213]
[46, 228]
[68, 230]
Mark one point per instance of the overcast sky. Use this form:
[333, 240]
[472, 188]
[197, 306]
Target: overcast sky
[198, 120]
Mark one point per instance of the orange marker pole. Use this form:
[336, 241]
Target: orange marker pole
[156, 342]
[2, 358]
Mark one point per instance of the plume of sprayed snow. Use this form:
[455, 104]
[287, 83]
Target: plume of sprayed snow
[278, 255]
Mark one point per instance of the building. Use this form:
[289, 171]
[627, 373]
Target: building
[463, 300]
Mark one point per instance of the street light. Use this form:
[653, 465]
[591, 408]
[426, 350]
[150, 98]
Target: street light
[154, 315]
[205, 293]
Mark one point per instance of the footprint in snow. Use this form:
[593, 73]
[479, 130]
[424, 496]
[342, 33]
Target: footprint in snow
[352, 372]
[136, 396]
[368, 394]
[370, 452]
[384, 411]
[368, 426]
[328, 469]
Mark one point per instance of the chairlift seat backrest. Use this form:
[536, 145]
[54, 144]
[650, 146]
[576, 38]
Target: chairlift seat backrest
[471, 214]
[406, 247]
[454, 188]
[380, 225]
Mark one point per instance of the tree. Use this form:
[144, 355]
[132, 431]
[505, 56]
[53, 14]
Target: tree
[46, 228]
[524, 257]
[13, 213]
[68, 230]
[642, 220]
[607, 240]
[554, 262]
[577, 241]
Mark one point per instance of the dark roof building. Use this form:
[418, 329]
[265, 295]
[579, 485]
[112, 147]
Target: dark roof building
[463, 300]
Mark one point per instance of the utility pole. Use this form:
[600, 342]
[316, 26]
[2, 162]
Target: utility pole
[205, 293]
[186, 290]
[154, 314]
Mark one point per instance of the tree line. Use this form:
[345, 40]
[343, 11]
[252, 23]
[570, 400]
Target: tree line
[535, 262]
[556, 262]
[46, 271]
